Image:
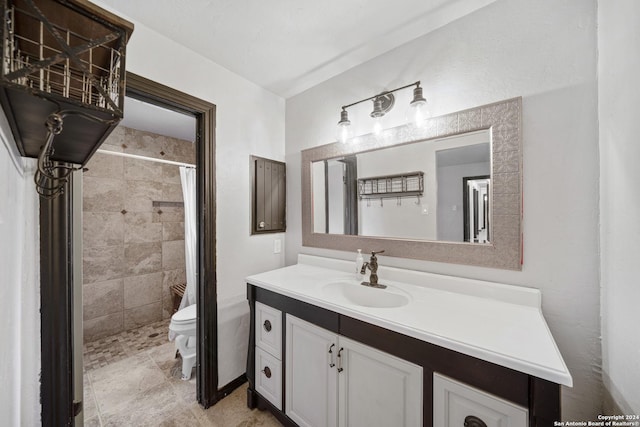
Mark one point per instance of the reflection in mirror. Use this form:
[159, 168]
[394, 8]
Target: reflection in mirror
[413, 191]
[476, 208]
[500, 123]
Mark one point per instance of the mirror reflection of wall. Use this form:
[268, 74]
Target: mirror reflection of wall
[434, 213]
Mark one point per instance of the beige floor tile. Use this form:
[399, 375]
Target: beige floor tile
[116, 384]
[92, 422]
[88, 401]
[164, 355]
[157, 406]
[232, 411]
[165, 358]
[145, 388]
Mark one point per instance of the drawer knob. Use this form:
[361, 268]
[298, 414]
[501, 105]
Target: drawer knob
[267, 373]
[267, 326]
[473, 421]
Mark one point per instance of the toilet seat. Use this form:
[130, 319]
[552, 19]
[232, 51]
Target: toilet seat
[185, 315]
[183, 322]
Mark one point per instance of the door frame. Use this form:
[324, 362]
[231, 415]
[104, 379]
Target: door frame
[56, 267]
[465, 207]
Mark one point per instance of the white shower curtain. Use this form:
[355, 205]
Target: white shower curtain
[188, 179]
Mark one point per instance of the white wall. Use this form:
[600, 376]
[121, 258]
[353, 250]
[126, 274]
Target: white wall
[19, 287]
[250, 120]
[389, 219]
[335, 179]
[618, 92]
[319, 202]
[451, 200]
[544, 51]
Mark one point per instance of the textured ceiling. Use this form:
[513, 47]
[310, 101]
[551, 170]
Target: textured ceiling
[288, 46]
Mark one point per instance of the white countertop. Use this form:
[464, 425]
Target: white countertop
[498, 323]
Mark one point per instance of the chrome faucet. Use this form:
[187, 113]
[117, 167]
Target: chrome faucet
[373, 266]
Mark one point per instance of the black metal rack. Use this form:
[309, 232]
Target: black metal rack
[62, 77]
[399, 185]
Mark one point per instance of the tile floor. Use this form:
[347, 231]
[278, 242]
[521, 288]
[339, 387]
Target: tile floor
[137, 383]
[105, 351]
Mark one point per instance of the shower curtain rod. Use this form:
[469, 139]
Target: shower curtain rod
[151, 159]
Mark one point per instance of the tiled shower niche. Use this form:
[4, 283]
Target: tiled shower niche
[133, 232]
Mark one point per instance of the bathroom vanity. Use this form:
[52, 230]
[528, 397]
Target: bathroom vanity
[429, 350]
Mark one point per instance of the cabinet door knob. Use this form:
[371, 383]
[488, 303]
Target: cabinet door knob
[261, 224]
[473, 421]
[267, 325]
[331, 363]
[267, 372]
[340, 369]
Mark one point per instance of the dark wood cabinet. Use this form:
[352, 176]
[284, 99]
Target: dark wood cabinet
[268, 196]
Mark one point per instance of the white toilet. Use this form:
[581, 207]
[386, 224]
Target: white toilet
[183, 329]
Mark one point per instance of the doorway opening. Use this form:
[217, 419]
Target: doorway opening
[61, 344]
[475, 202]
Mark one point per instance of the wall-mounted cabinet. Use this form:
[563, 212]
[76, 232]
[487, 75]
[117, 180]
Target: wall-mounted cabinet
[268, 196]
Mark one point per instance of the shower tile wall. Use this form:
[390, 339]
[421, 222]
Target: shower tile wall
[133, 250]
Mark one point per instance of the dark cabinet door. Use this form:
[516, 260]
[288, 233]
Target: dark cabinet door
[268, 196]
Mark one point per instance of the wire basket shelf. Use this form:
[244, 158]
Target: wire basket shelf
[83, 64]
[400, 185]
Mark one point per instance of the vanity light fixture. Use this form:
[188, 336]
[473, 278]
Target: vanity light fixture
[382, 104]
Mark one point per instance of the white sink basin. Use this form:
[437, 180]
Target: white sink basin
[357, 294]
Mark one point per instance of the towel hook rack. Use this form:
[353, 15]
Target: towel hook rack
[51, 178]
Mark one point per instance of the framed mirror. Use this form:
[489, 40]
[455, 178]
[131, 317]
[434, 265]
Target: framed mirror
[449, 191]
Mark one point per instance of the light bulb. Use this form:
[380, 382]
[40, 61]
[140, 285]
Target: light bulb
[418, 113]
[344, 127]
[345, 133]
[377, 126]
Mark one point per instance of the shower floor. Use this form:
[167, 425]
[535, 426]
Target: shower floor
[105, 351]
[133, 379]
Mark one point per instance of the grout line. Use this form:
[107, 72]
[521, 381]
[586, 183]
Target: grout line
[93, 396]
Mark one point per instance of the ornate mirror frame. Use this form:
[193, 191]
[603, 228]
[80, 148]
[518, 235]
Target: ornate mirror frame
[504, 121]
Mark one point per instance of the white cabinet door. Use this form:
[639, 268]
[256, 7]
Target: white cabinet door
[456, 404]
[310, 378]
[376, 388]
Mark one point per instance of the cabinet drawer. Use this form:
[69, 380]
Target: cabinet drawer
[269, 329]
[269, 377]
[457, 404]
